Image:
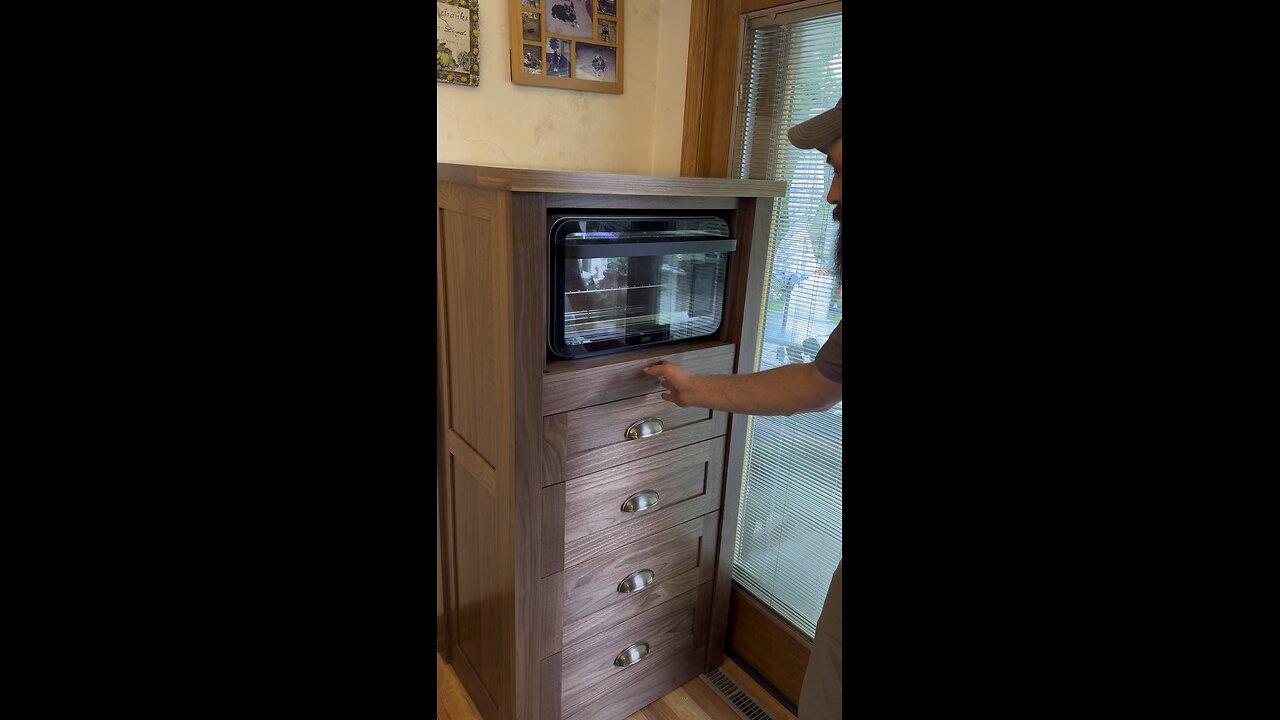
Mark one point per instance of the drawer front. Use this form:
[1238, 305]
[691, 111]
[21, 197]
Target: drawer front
[663, 635]
[619, 585]
[677, 486]
[568, 386]
[608, 425]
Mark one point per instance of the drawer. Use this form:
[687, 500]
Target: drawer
[603, 592]
[596, 438]
[581, 383]
[670, 634]
[605, 510]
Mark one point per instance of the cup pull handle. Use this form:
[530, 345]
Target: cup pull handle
[636, 581]
[643, 428]
[642, 500]
[632, 655]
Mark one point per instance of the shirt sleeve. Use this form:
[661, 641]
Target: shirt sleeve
[830, 359]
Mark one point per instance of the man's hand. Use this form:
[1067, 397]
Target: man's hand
[676, 381]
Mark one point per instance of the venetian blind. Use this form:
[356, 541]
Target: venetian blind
[789, 530]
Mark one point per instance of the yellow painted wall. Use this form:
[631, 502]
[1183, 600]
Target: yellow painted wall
[637, 132]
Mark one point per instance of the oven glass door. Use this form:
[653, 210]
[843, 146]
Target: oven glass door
[637, 288]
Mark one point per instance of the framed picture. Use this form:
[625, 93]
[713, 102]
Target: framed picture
[571, 44]
[458, 42]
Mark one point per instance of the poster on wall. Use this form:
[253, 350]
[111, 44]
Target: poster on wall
[571, 44]
[458, 42]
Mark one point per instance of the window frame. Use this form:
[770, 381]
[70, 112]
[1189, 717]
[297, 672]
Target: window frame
[717, 33]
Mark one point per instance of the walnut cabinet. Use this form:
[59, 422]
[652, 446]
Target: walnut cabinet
[586, 575]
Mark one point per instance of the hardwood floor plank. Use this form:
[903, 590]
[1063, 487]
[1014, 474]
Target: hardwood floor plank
[762, 696]
[710, 702]
[451, 695]
[694, 700]
[660, 710]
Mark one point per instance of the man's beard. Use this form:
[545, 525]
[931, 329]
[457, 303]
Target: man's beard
[839, 267]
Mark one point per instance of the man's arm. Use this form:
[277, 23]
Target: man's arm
[785, 390]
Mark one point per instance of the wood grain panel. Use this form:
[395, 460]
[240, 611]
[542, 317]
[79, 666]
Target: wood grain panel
[606, 424]
[481, 624]
[444, 469]
[715, 36]
[551, 614]
[464, 200]
[549, 694]
[603, 458]
[687, 482]
[557, 181]
[527, 312]
[768, 644]
[580, 201]
[472, 461]
[643, 688]
[694, 86]
[681, 558]
[472, 315]
[749, 6]
[588, 669]
[551, 545]
[555, 437]
[575, 384]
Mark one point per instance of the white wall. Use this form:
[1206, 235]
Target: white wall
[637, 132]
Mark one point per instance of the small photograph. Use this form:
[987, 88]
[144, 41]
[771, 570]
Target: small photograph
[569, 17]
[608, 7]
[532, 59]
[557, 58]
[529, 27]
[529, 3]
[608, 30]
[596, 62]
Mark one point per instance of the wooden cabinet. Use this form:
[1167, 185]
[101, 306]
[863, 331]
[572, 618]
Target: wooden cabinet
[585, 574]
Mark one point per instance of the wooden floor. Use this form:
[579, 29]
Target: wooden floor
[695, 700]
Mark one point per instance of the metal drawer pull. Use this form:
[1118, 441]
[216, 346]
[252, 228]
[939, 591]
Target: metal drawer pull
[643, 428]
[632, 655]
[636, 581]
[642, 500]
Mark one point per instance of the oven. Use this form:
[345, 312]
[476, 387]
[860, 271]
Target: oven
[623, 281]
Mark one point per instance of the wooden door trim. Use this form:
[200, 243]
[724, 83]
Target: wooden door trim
[774, 650]
[710, 96]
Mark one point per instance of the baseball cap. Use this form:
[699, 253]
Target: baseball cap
[820, 131]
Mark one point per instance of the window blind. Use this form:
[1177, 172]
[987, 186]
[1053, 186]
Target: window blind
[789, 531]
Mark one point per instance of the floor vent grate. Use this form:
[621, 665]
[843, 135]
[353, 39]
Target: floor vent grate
[740, 700]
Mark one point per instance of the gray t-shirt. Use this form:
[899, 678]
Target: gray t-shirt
[830, 359]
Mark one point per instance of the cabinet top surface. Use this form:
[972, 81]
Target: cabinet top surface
[527, 180]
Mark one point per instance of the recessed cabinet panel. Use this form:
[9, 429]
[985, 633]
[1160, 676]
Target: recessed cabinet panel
[472, 322]
[624, 583]
[606, 510]
[614, 657]
[478, 603]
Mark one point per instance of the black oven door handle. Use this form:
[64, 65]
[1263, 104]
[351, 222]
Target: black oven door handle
[646, 249]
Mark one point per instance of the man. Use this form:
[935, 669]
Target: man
[786, 390]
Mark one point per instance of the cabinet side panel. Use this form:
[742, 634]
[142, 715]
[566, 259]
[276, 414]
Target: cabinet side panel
[481, 622]
[527, 321]
[476, 357]
[473, 290]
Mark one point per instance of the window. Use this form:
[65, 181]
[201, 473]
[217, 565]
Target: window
[789, 532]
